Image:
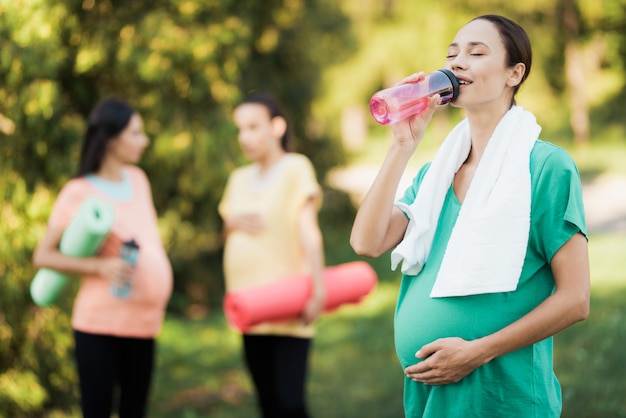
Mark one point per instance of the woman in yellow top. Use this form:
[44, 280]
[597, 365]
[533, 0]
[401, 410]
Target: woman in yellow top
[269, 208]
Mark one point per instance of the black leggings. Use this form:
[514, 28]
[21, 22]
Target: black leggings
[278, 366]
[104, 362]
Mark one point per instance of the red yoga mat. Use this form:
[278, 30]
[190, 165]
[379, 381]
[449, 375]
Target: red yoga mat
[286, 299]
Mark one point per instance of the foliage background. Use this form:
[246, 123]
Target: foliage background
[184, 64]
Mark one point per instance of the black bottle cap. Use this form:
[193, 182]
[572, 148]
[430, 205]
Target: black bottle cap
[455, 83]
[131, 243]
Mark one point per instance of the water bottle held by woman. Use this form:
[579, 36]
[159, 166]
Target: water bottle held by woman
[399, 102]
[128, 252]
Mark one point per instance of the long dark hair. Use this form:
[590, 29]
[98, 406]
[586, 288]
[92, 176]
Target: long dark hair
[107, 119]
[275, 109]
[516, 44]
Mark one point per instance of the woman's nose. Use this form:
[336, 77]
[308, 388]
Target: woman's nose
[458, 63]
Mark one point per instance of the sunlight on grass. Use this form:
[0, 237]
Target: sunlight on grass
[354, 369]
[383, 296]
[607, 253]
[200, 370]
[600, 158]
[589, 357]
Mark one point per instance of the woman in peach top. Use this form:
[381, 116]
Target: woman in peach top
[114, 336]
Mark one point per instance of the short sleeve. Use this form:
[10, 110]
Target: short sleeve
[411, 192]
[144, 188]
[223, 206]
[142, 179]
[304, 185]
[557, 205]
[67, 203]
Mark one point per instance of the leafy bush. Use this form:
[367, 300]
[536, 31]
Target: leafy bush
[36, 370]
[183, 65]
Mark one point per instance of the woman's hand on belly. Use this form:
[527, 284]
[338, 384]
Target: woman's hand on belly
[446, 360]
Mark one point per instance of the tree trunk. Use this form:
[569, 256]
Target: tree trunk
[574, 72]
[579, 117]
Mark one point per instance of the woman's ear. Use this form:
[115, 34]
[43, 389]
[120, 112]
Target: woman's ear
[279, 126]
[517, 74]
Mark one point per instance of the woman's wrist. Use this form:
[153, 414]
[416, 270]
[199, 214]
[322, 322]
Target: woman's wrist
[486, 349]
[401, 150]
[318, 292]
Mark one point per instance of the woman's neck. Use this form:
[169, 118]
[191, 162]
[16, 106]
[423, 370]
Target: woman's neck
[110, 170]
[270, 159]
[482, 125]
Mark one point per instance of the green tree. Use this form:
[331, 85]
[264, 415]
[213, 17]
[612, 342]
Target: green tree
[183, 64]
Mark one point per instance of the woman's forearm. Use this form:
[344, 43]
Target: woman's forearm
[373, 231]
[566, 306]
[55, 260]
[48, 255]
[556, 313]
[312, 244]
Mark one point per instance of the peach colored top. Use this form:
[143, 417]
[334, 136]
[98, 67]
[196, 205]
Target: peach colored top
[95, 309]
[275, 253]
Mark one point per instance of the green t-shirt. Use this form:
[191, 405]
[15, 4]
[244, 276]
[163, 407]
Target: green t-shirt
[521, 383]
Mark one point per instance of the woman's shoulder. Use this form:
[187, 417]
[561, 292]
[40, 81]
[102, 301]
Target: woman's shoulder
[242, 171]
[71, 196]
[137, 177]
[136, 172]
[75, 188]
[544, 150]
[296, 160]
[546, 155]
[549, 162]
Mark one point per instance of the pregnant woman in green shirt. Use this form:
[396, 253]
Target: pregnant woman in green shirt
[491, 240]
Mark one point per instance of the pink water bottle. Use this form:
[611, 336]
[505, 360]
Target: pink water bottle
[396, 103]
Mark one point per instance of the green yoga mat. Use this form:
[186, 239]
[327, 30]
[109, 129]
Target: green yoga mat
[82, 238]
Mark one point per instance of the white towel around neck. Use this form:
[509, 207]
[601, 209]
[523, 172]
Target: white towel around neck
[488, 243]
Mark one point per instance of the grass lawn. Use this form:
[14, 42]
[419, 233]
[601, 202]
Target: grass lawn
[590, 360]
[354, 371]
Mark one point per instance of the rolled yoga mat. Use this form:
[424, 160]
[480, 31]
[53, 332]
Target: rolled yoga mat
[286, 299]
[82, 238]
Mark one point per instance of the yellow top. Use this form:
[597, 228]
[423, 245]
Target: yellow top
[275, 253]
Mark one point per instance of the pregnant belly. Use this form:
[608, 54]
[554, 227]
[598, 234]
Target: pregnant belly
[420, 319]
[417, 324]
